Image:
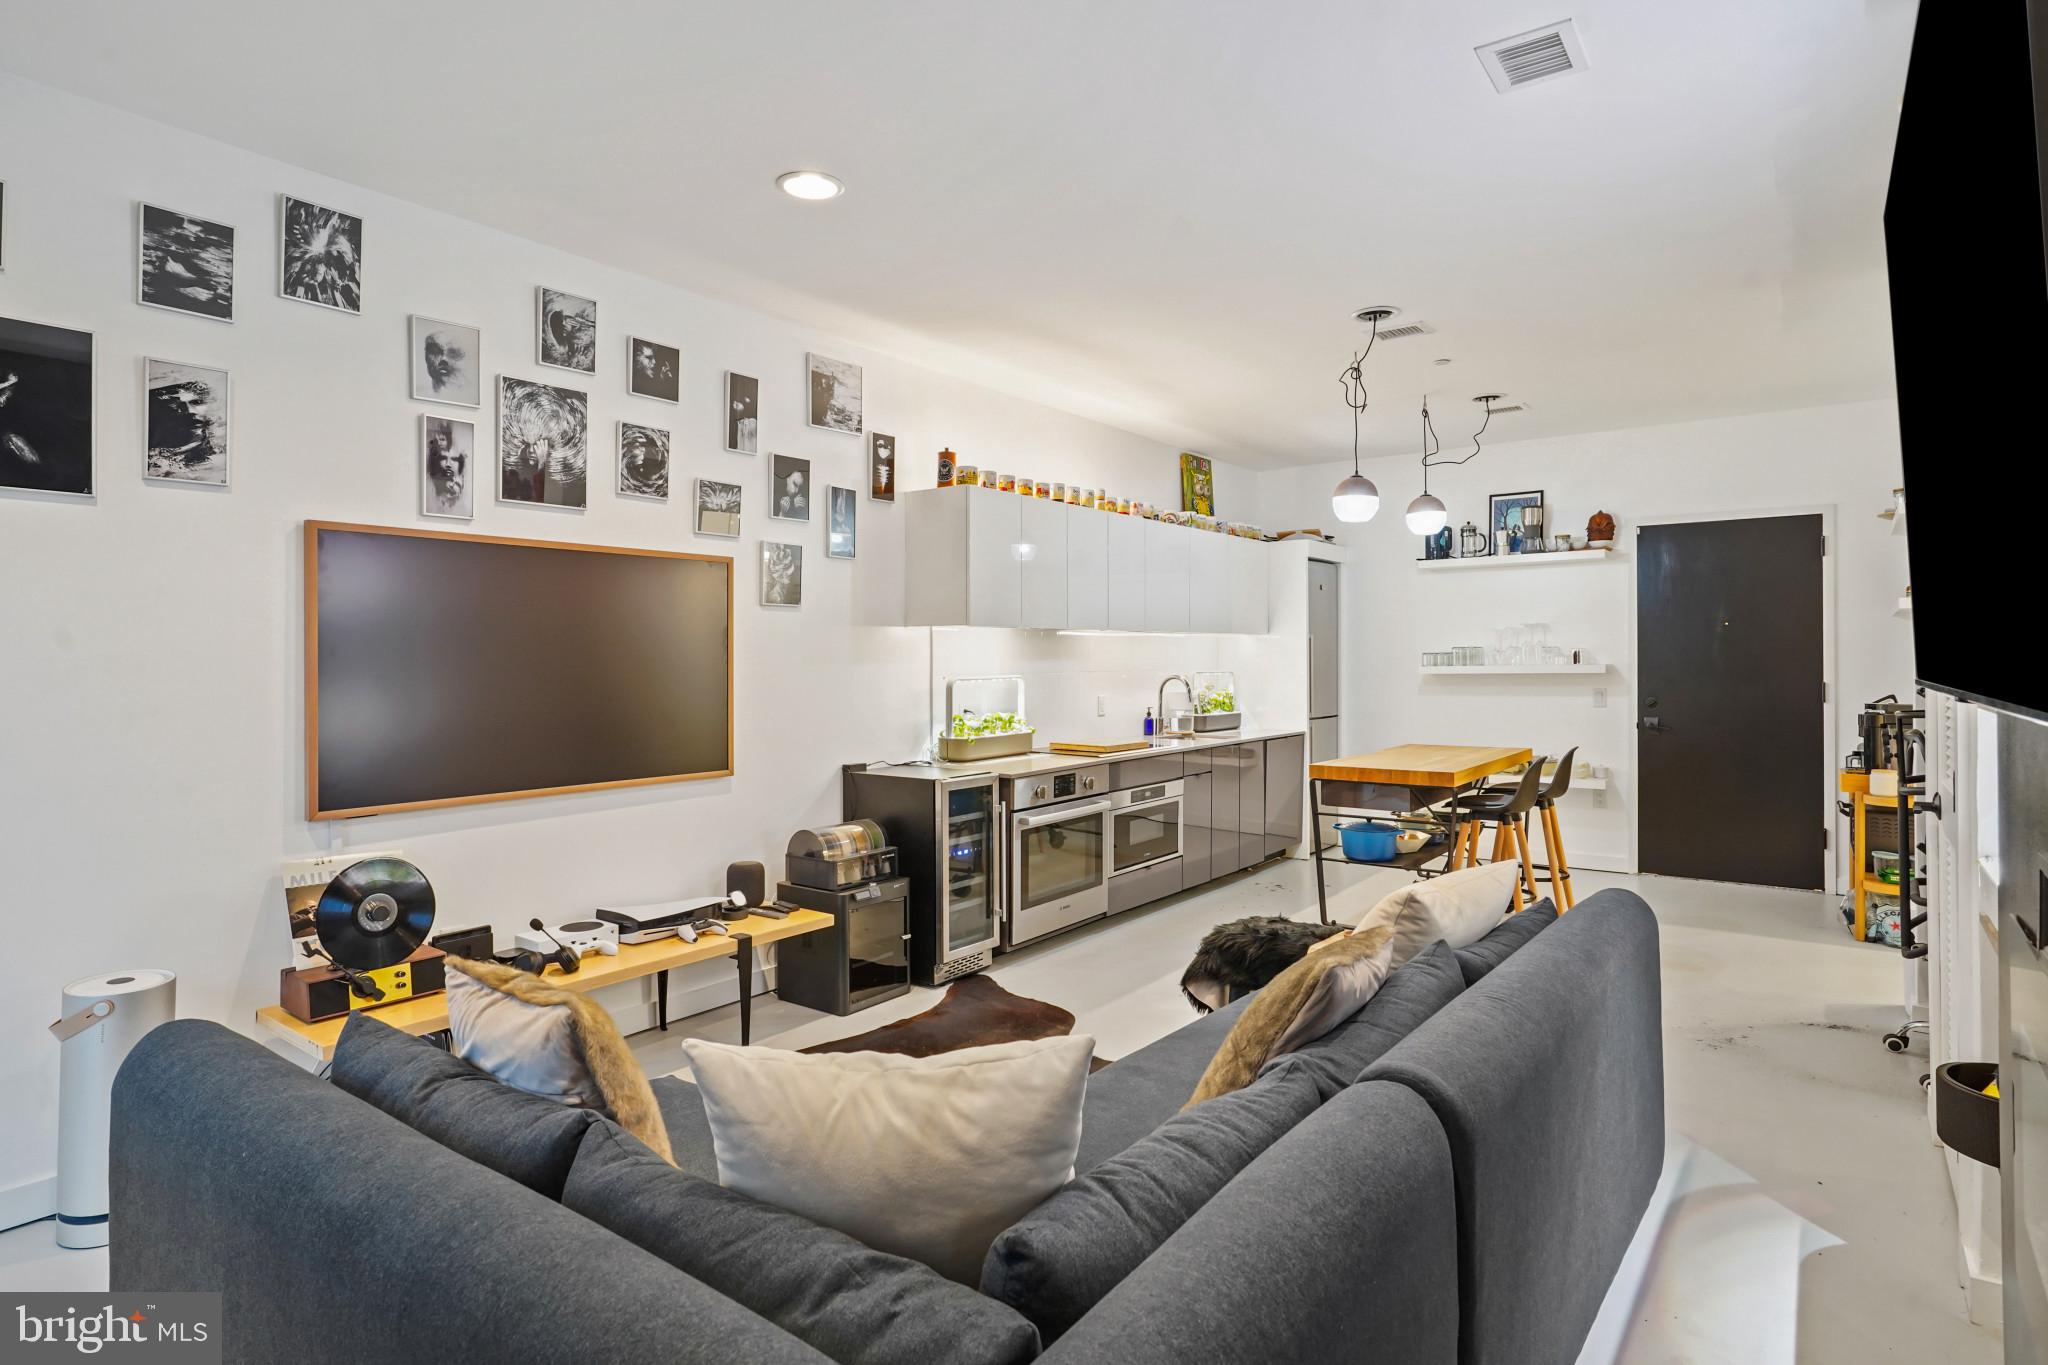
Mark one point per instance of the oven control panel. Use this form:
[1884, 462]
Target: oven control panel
[1049, 789]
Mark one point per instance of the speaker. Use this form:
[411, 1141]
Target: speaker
[750, 880]
[104, 1016]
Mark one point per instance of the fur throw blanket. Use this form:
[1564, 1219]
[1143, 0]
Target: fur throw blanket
[1245, 954]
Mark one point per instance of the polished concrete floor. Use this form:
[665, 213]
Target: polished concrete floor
[1774, 1068]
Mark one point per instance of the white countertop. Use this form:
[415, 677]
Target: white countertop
[1037, 762]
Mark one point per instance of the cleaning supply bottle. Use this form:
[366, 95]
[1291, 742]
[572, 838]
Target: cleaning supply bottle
[1149, 723]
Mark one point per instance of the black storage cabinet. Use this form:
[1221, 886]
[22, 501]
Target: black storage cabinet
[862, 959]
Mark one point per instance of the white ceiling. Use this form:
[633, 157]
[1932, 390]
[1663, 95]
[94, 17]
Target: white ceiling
[1156, 213]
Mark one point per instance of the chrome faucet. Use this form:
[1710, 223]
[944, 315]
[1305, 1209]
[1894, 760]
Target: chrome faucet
[1160, 710]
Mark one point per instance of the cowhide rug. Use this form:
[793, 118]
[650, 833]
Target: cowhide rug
[975, 1013]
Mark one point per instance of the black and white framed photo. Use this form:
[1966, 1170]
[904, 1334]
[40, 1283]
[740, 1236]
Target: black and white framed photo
[543, 444]
[782, 574]
[841, 505]
[718, 509]
[319, 255]
[742, 414]
[835, 394]
[447, 467]
[46, 436]
[184, 264]
[3, 225]
[185, 423]
[654, 370]
[789, 488]
[447, 362]
[881, 467]
[643, 461]
[567, 330]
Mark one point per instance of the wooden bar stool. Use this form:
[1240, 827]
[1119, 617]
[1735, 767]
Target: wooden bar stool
[1553, 864]
[1508, 812]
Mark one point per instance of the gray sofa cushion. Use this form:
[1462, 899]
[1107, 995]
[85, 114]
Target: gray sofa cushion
[527, 1137]
[1057, 1262]
[689, 1132]
[1414, 991]
[1338, 1244]
[1135, 1094]
[1477, 959]
[334, 1232]
[857, 1305]
[1548, 1079]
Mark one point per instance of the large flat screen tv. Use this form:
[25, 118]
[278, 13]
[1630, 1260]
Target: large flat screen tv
[1969, 301]
[444, 668]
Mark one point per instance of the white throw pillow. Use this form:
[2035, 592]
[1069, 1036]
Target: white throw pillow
[1458, 907]
[924, 1157]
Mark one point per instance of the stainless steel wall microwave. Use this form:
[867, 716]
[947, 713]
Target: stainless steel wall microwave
[1144, 826]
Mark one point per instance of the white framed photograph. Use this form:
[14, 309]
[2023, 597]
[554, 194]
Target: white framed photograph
[319, 255]
[543, 444]
[718, 509]
[447, 467]
[185, 423]
[565, 330]
[447, 362]
[835, 394]
[789, 488]
[184, 264]
[841, 506]
[46, 409]
[742, 414]
[782, 574]
[654, 370]
[643, 462]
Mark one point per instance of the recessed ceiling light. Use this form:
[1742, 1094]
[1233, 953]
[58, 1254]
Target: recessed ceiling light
[1443, 360]
[809, 185]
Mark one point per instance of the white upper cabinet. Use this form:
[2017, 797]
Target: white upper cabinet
[1166, 578]
[1042, 556]
[976, 557]
[1126, 572]
[1209, 561]
[1088, 568]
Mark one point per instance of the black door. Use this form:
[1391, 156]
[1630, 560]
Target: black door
[1729, 729]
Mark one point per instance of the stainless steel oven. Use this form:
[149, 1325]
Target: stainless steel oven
[1058, 854]
[1144, 826]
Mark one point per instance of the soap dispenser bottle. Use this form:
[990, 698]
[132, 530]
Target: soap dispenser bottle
[1150, 723]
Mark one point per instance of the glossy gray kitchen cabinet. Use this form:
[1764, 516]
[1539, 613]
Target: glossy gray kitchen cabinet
[1197, 822]
[1284, 759]
[1251, 804]
[1225, 770]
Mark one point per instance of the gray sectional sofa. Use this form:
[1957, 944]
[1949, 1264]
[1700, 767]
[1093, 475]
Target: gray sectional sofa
[1451, 1176]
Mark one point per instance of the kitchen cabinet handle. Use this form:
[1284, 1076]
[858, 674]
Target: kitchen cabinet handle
[1059, 817]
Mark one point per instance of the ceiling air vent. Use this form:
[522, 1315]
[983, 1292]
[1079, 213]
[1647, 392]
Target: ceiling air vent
[1499, 408]
[1527, 58]
[1406, 330]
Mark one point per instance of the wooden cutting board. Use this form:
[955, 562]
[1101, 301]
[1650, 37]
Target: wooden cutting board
[1074, 746]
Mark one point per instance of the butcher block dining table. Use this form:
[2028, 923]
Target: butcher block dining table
[1417, 784]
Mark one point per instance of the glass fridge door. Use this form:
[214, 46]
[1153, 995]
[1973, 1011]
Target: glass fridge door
[971, 910]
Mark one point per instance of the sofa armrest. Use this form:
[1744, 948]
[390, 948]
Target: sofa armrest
[1548, 1078]
[335, 1232]
[1337, 1244]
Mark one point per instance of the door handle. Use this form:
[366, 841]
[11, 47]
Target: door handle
[1651, 723]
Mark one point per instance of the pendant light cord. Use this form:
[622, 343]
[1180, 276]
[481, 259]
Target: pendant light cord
[1427, 453]
[1353, 381]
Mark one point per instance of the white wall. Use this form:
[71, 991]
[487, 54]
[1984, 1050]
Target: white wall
[1843, 456]
[151, 775]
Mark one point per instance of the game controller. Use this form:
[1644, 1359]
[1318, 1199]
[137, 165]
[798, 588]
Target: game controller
[688, 932]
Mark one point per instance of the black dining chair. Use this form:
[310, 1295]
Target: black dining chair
[1508, 813]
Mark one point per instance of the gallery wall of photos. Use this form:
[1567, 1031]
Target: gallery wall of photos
[537, 447]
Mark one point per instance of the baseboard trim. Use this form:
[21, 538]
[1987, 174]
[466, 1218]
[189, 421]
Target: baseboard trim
[29, 1202]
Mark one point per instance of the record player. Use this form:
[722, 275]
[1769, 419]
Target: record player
[371, 924]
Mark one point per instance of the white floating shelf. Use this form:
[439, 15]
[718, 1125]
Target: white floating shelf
[1517, 561]
[1579, 784]
[1477, 669]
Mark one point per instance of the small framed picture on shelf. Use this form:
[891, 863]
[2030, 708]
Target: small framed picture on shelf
[1516, 520]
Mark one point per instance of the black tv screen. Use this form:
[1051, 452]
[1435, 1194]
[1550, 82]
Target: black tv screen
[1969, 299]
[445, 668]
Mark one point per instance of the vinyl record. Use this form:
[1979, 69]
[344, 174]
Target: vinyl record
[375, 913]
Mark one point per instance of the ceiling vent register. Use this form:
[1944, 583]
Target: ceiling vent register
[1539, 55]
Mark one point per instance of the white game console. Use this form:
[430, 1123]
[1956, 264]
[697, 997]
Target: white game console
[581, 937]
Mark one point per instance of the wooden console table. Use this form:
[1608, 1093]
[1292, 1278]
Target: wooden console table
[1403, 779]
[429, 1013]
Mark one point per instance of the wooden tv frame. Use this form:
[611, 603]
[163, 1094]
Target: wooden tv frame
[311, 607]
